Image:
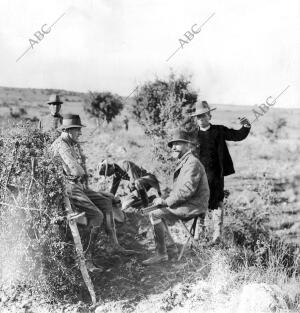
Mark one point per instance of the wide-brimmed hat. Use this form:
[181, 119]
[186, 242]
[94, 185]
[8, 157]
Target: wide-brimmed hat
[180, 135]
[54, 99]
[202, 107]
[71, 121]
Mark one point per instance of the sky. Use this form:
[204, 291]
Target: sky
[246, 52]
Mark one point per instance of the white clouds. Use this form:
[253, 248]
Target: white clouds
[247, 51]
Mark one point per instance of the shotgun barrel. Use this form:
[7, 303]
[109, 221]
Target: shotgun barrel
[150, 208]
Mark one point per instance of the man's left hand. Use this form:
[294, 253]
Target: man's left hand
[159, 202]
[245, 122]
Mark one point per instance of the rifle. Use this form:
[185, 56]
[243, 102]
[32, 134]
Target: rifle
[150, 208]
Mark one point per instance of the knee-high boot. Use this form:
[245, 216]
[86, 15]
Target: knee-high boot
[160, 241]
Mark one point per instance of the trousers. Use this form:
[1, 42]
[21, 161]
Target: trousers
[94, 204]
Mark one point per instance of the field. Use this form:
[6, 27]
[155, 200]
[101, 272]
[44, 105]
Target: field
[267, 182]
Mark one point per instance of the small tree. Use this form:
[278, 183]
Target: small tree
[104, 106]
[165, 104]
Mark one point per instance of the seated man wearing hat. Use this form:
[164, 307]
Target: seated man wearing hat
[96, 205]
[215, 157]
[188, 198]
[140, 181]
[53, 120]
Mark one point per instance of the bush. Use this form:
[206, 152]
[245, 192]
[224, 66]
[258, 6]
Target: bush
[164, 104]
[104, 106]
[35, 249]
[248, 236]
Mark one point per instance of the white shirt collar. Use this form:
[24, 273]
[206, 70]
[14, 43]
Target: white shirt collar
[205, 128]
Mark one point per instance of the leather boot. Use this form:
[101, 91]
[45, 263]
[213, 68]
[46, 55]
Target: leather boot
[160, 241]
[90, 265]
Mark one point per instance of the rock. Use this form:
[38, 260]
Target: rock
[261, 298]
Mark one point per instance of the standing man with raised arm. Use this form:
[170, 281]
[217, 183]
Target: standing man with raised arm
[214, 155]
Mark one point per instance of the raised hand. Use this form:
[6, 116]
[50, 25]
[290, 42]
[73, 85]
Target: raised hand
[245, 122]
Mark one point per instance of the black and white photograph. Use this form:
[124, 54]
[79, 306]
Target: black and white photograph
[150, 156]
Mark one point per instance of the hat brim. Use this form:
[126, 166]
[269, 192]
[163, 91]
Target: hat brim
[201, 112]
[59, 102]
[70, 126]
[170, 143]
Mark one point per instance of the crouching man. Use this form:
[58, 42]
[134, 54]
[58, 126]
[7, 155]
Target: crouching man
[96, 205]
[140, 181]
[188, 198]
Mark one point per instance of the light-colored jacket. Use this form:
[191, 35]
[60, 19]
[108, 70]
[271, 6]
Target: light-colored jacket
[190, 194]
[71, 155]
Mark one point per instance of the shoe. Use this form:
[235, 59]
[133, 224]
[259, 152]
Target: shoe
[158, 258]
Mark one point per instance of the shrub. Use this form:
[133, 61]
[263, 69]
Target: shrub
[248, 236]
[164, 104]
[35, 247]
[104, 106]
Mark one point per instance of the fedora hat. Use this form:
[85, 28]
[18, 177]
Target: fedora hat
[71, 121]
[54, 99]
[180, 135]
[202, 108]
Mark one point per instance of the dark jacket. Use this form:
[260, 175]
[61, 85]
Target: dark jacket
[224, 133]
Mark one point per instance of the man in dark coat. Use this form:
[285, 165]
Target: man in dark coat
[187, 199]
[215, 157]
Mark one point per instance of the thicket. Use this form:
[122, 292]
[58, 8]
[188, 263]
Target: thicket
[37, 252]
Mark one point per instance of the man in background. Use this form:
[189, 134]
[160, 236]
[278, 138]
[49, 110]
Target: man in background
[53, 120]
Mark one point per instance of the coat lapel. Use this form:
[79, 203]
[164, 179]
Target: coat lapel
[180, 164]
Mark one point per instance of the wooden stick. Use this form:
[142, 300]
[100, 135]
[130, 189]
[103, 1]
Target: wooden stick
[190, 237]
[79, 249]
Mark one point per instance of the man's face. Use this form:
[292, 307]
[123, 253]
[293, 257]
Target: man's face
[203, 119]
[74, 133]
[179, 148]
[54, 108]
